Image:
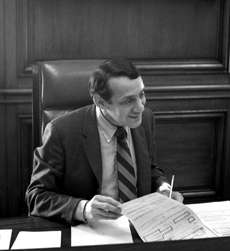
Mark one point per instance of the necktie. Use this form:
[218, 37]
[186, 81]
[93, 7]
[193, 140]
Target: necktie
[125, 169]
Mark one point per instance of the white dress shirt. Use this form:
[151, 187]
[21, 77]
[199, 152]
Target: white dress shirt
[108, 143]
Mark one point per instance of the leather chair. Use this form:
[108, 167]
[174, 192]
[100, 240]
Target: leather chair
[59, 86]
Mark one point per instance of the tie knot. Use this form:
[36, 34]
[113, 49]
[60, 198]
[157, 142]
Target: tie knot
[121, 133]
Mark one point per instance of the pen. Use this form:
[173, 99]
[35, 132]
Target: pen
[171, 188]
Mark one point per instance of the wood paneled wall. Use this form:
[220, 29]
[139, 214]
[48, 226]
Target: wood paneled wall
[182, 50]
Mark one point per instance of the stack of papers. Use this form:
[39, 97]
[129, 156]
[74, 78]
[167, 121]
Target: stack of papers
[158, 218]
[104, 232]
[5, 236]
[216, 215]
[155, 218]
[37, 239]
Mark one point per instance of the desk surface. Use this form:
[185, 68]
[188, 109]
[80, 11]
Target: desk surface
[39, 224]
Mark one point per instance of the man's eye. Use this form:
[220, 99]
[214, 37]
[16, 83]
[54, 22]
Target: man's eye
[128, 101]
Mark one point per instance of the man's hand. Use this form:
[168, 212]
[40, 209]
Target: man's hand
[175, 195]
[102, 207]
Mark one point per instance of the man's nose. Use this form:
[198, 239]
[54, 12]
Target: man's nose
[140, 105]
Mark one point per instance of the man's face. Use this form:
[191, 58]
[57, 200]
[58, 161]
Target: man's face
[127, 102]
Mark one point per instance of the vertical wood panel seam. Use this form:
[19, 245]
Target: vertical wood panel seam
[21, 37]
[4, 43]
[5, 172]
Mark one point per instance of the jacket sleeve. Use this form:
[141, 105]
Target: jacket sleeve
[44, 196]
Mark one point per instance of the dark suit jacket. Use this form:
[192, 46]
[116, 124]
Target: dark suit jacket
[68, 168]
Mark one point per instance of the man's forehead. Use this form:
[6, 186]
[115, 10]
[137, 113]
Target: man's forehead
[123, 86]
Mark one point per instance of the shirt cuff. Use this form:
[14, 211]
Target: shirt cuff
[164, 187]
[79, 210]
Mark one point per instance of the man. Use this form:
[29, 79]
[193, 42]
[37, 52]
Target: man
[95, 157]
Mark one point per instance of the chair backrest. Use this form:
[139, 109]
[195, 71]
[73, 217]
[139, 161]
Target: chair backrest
[59, 86]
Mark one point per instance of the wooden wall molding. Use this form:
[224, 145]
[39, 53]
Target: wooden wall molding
[24, 167]
[26, 48]
[17, 163]
[15, 92]
[202, 113]
[173, 67]
[187, 92]
[200, 166]
[15, 96]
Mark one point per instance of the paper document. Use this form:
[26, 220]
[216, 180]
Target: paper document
[157, 218]
[5, 236]
[214, 214]
[104, 232]
[38, 239]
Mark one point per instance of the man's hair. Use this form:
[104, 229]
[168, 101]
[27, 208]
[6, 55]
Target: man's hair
[98, 82]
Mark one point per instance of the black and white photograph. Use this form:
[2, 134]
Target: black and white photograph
[115, 125]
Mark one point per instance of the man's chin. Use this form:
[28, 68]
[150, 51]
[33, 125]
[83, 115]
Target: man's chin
[135, 123]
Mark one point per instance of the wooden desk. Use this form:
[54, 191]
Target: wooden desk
[39, 224]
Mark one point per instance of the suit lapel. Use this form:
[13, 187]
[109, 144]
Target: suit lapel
[92, 142]
[142, 160]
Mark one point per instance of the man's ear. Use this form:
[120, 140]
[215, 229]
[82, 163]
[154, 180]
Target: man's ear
[99, 101]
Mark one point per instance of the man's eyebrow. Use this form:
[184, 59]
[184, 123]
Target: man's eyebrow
[132, 96]
[128, 97]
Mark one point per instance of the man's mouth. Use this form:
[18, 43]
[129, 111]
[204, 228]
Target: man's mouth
[135, 116]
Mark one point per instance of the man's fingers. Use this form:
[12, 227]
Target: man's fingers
[106, 215]
[102, 207]
[110, 200]
[178, 196]
[106, 207]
